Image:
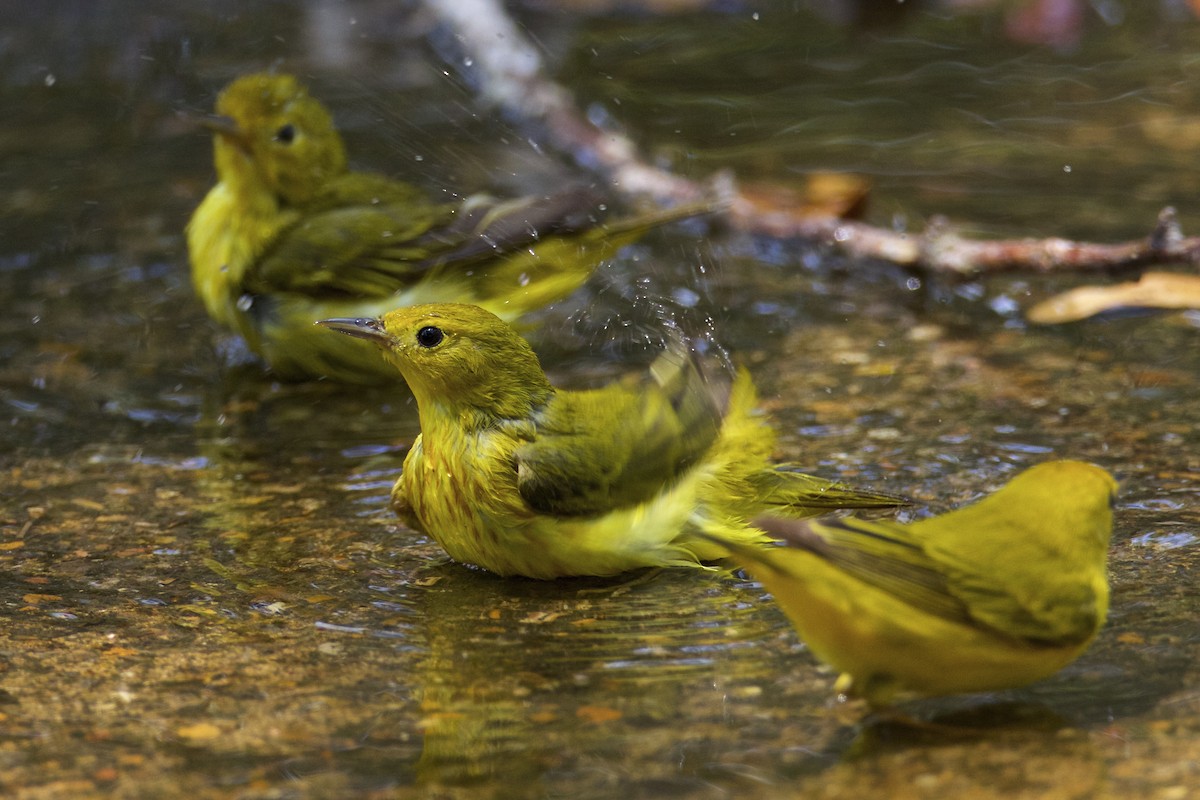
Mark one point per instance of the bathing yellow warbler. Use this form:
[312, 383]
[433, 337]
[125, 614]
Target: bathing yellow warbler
[289, 235]
[992, 596]
[521, 478]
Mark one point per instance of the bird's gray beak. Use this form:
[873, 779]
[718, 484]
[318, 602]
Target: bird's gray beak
[225, 127]
[368, 328]
[219, 124]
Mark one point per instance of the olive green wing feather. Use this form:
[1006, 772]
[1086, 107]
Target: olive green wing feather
[484, 227]
[369, 237]
[912, 566]
[1027, 562]
[360, 238]
[879, 553]
[1031, 558]
[599, 450]
[1011, 573]
[347, 253]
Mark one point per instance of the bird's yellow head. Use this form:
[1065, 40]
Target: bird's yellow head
[272, 136]
[457, 356]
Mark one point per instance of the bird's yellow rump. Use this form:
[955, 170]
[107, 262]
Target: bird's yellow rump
[289, 235]
[992, 596]
[521, 478]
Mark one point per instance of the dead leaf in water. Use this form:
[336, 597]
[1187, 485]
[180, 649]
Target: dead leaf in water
[597, 715]
[824, 194]
[1154, 290]
[200, 732]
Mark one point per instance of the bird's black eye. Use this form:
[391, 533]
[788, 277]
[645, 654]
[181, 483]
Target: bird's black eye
[430, 336]
[286, 134]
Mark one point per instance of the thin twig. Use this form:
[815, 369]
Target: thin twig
[939, 249]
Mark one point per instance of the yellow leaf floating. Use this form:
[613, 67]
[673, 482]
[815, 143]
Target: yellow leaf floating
[1153, 290]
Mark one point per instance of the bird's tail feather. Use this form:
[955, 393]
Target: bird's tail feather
[786, 491]
[551, 269]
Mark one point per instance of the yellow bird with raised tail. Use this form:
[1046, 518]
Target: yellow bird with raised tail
[516, 476]
[289, 235]
[992, 596]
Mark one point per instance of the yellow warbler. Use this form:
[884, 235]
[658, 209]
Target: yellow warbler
[992, 596]
[518, 477]
[289, 235]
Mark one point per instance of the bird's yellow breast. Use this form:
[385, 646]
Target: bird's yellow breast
[462, 488]
[227, 234]
[463, 491]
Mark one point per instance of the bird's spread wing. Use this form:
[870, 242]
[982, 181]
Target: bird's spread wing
[599, 450]
[879, 553]
[368, 237]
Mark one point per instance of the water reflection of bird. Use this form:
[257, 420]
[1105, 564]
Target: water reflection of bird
[994, 595]
[523, 479]
[264, 510]
[476, 684]
[522, 679]
[289, 235]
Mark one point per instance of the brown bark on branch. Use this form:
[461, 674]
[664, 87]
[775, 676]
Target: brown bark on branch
[940, 249]
[509, 72]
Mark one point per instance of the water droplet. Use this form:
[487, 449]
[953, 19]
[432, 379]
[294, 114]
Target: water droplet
[685, 297]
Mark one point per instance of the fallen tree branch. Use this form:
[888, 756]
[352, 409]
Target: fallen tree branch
[939, 249]
[509, 73]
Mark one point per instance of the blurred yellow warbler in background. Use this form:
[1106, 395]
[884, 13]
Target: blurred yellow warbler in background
[992, 596]
[520, 478]
[289, 235]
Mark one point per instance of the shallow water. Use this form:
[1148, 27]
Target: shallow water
[203, 591]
